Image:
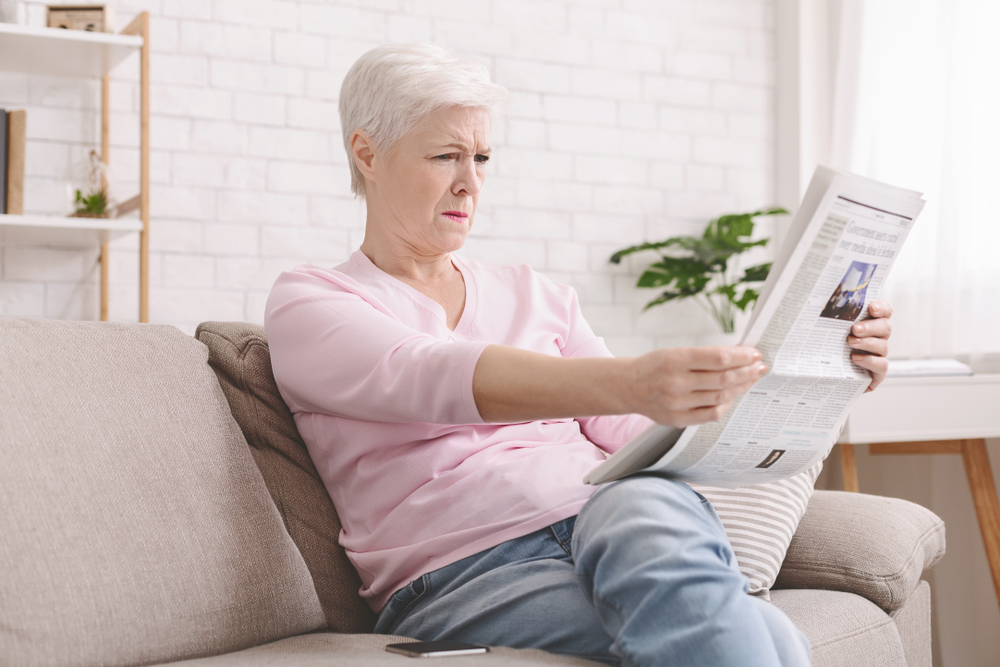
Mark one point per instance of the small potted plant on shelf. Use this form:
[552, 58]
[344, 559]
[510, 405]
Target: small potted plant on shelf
[96, 203]
[93, 205]
[706, 268]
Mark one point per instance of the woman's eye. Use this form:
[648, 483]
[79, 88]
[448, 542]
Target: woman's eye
[446, 156]
[482, 159]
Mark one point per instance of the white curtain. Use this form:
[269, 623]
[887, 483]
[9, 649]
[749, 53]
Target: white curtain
[917, 104]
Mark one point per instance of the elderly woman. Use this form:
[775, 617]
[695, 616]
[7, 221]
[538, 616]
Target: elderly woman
[453, 407]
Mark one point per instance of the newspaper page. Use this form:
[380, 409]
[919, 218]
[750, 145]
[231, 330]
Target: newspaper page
[841, 245]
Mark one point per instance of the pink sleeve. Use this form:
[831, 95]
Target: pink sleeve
[334, 351]
[609, 432]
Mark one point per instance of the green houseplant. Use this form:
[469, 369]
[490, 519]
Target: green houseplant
[93, 205]
[706, 268]
[96, 203]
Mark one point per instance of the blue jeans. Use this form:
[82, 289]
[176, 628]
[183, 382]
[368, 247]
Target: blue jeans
[644, 576]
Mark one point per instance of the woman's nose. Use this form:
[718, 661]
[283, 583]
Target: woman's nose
[467, 180]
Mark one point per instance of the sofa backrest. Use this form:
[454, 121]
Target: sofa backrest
[135, 527]
[239, 355]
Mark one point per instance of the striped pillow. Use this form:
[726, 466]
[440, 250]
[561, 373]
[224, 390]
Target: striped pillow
[760, 521]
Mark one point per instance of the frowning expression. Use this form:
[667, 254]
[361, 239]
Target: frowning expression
[427, 187]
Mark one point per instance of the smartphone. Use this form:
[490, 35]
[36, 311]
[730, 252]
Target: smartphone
[436, 649]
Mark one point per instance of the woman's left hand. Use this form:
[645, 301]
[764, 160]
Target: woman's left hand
[870, 339]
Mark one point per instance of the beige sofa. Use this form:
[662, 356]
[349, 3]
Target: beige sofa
[140, 523]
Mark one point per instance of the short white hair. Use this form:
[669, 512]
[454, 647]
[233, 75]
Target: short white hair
[391, 88]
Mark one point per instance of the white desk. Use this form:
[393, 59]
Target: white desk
[935, 415]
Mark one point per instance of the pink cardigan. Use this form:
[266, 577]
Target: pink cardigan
[381, 390]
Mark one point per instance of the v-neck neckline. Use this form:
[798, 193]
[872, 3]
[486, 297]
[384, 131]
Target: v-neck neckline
[471, 292]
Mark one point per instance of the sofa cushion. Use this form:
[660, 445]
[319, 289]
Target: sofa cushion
[135, 527]
[324, 650]
[913, 620]
[239, 355]
[843, 629]
[868, 545]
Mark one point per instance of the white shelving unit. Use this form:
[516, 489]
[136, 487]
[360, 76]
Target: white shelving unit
[56, 52]
[75, 53]
[58, 230]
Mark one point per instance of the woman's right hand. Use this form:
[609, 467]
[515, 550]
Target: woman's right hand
[692, 385]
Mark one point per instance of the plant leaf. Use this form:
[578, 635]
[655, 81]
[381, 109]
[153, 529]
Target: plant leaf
[772, 210]
[749, 297]
[728, 291]
[756, 274]
[731, 227]
[654, 278]
[666, 296]
[617, 257]
[686, 272]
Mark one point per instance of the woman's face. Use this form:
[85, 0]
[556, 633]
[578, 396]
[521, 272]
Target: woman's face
[428, 186]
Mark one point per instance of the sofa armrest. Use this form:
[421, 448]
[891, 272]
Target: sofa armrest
[871, 546]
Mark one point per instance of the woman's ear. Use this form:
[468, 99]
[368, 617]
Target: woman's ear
[363, 152]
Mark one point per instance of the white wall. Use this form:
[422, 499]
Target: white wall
[629, 120]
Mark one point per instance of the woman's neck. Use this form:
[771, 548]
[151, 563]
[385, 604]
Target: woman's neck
[402, 261]
[434, 276]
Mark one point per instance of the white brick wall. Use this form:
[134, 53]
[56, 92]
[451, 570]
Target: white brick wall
[628, 120]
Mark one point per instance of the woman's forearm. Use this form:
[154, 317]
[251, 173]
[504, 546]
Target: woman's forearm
[679, 387]
[512, 385]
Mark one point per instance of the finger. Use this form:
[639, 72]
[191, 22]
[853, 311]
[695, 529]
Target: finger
[875, 383]
[718, 380]
[879, 308]
[876, 366]
[710, 398]
[878, 328]
[871, 362]
[720, 358]
[722, 396]
[876, 346]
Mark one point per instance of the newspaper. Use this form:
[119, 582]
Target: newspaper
[842, 243]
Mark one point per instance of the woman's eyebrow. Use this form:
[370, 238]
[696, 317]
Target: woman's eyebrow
[465, 148]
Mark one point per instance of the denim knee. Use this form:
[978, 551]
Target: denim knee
[656, 564]
[650, 502]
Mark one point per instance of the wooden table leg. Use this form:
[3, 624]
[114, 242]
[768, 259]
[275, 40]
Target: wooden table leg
[984, 497]
[849, 467]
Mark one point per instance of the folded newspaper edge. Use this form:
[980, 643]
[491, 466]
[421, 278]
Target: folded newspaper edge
[832, 263]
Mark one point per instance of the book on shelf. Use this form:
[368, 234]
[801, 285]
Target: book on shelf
[16, 143]
[842, 242]
[3, 160]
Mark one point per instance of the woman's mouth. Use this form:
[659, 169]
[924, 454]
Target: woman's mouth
[456, 216]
